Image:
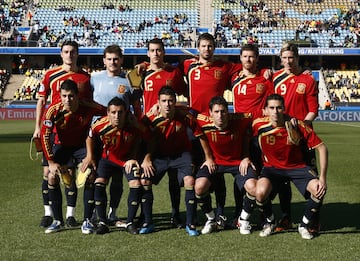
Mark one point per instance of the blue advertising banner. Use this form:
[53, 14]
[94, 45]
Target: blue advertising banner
[327, 115]
[177, 51]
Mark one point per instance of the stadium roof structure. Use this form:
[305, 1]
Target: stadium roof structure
[178, 51]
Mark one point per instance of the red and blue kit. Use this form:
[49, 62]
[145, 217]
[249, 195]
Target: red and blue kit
[171, 134]
[53, 78]
[277, 151]
[226, 145]
[118, 144]
[250, 92]
[155, 79]
[299, 91]
[72, 127]
[207, 80]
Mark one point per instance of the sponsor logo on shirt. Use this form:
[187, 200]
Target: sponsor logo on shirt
[41, 88]
[48, 123]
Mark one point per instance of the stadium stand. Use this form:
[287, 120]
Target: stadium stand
[343, 86]
[94, 24]
[321, 23]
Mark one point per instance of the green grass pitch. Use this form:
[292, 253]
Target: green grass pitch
[21, 209]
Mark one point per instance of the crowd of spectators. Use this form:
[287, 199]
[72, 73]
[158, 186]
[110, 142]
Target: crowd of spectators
[258, 18]
[30, 86]
[120, 27]
[64, 8]
[4, 79]
[342, 87]
[246, 25]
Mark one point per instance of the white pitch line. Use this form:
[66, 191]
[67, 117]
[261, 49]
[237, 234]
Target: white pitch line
[345, 124]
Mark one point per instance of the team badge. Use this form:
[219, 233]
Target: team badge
[301, 88]
[260, 88]
[121, 89]
[158, 76]
[218, 74]
[48, 123]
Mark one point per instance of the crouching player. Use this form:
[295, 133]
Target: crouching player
[283, 159]
[72, 119]
[225, 140]
[120, 135]
[171, 150]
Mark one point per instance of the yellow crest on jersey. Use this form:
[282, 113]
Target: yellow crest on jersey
[121, 89]
[218, 74]
[301, 88]
[260, 87]
[169, 82]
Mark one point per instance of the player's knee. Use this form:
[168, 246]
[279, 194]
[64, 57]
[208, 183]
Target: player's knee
[263, 189]
[101, 181]
[250, 186]
[146, 183]
[201, 186]
[313, 186]
[53, 179]
[189, 181]
[134, 184]
[261, 194]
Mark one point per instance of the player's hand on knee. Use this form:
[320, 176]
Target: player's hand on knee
[321, 189]
[210, 164]
[244, 165]
[148, 168]
[54, 168]
[130, 164]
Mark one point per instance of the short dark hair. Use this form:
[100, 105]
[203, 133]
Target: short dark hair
[274, 97]
[71, 43]
[219, 100]
[117, 102]
[114, 48]
[290, 47]
[207, 37]
[167, 90]
[250, 47]
[156, 41]
[69, 85]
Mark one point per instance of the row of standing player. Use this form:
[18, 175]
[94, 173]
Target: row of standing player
[206, 78]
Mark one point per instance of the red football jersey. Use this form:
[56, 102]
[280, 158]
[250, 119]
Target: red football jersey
[250, 92]
[118, 144]
[227, 145]
[72, 127]
[53, 78]
[207, 81]
[155, 79]
[277, 151]
[299, 91]
[171, 135]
